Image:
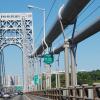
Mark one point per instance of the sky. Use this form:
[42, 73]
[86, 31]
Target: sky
[88, 51]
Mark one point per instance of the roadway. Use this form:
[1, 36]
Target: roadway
[24, 97]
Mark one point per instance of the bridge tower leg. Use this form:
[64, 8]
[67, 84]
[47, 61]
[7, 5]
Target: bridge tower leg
[73, 67]
[2, 69]
[66, 46]
[27, 61]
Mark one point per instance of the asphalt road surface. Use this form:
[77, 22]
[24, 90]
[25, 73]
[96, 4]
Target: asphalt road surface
[19, 97]
[24, 97]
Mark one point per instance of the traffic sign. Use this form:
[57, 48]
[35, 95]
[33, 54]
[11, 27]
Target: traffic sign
[36, 79]
[40, 81]
[19, 88]
[48, 58]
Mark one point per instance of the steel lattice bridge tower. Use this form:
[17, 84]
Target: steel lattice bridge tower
[17, 29]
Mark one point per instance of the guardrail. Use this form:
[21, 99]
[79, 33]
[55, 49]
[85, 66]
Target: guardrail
[83, 92]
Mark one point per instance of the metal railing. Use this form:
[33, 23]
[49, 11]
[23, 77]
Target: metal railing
[83, 92]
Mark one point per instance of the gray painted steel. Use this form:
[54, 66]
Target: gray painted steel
[87, 32]
[69, 14]
[17, 29]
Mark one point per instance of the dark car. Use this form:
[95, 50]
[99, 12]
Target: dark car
[20, 93]
[1, 94]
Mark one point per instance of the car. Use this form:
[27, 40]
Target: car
[0, 95]
[20, 93]
[12, 95]
[6, 95]
[16, 93]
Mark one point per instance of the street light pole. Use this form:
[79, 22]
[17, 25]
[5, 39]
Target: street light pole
[31, 6]
[44, 21]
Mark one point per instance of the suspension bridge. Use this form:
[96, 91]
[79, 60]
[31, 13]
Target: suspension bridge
[17, 29]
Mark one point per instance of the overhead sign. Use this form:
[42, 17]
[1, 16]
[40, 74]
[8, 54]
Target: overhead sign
[19, 88]
[36, 79]
[48, 58]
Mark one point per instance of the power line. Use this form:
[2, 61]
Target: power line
[88, 16]
[51, 10]
[87, 7]
[85, 18]
[54, 1]
[83, 13]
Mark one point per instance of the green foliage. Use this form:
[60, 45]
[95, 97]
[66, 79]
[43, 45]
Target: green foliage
[43, 77]
[62, 80]
[82, 78]
[88, 77]
[53, 81]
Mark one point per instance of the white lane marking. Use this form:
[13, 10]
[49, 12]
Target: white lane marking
[27, 97]
[42, 98]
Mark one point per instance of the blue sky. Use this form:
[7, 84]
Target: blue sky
[88, 52]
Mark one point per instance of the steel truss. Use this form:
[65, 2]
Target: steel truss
[17, 29]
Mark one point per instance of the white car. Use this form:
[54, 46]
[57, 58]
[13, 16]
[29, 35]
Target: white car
[6, 95]
[16, 93]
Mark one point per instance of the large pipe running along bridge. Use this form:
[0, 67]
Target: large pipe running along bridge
[69, 15]
[21, 25]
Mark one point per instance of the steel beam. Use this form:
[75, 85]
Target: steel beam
[84, 34]
[87, 32]
[58, 50]
[69, 14]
